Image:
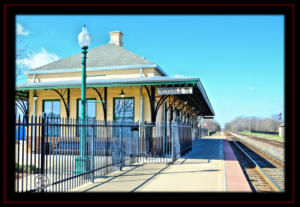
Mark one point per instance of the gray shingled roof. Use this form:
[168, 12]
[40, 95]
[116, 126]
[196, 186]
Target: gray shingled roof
[105, 55]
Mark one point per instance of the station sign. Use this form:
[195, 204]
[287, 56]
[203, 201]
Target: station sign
[175, 91]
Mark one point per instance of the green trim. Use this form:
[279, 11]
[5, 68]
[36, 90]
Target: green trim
[115, 98]
[196, 84]
[112, 85]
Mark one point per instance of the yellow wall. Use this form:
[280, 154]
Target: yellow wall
[112, 92]
[75, 94]
[125, 73]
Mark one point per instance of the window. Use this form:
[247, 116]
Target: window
[90, 109]
[123, 112]
[124, 109]
[52, 110]
[90, 114]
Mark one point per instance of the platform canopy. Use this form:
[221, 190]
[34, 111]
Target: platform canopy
[198, 99]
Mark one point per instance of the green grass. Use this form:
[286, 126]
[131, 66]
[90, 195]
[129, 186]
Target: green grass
[272, 136]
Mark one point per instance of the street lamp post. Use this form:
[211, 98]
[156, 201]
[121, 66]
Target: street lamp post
[83, 161]
[35, 97]
[122, 94]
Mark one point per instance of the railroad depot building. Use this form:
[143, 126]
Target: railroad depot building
[130, 87]
[134, 111]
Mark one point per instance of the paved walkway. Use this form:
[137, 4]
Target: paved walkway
[201, 170]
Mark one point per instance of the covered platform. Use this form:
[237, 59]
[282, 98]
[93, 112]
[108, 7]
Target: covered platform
[211, 166]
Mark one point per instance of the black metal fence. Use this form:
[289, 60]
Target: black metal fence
[51, 156]
[202, 132]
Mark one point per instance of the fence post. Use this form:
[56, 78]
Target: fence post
[121, 149]
[141, 139]
[43, 148]
[92, 151]
[164, 125]
[173, 143]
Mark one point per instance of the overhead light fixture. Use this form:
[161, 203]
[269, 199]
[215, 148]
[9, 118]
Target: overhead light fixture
[122, 94]
[34, 95]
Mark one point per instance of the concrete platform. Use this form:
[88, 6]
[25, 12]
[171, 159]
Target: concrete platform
[207, 168]
[201, 170]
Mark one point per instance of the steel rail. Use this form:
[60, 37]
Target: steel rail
[263, 139]
[266, 177]
[259, 149]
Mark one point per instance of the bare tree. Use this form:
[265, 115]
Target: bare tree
[242, 123]
[228, 126]
[275, 122]
[212, 125]
[21, 98]
[21, 48]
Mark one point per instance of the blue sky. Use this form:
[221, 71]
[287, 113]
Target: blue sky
[238, 58]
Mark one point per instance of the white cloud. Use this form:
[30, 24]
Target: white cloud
[35, 60]
[21, 31]
[251, 89]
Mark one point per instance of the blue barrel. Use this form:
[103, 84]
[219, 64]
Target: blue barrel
[22, 131]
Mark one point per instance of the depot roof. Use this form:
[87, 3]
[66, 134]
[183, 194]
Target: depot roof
[198, 99]
[108, 56]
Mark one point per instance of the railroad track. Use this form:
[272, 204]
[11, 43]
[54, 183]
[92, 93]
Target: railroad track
[271, 142]
[264, 172]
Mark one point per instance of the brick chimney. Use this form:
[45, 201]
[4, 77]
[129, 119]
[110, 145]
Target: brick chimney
[116, 38]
